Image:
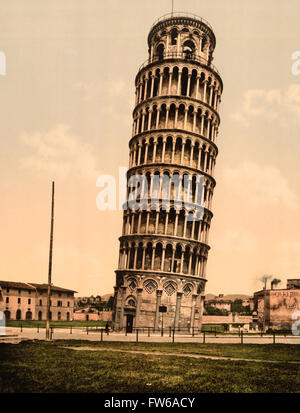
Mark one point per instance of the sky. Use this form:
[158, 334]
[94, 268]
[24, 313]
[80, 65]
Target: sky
[66, 106]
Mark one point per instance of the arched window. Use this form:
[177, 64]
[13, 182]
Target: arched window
[131, 303]
[18, 315]
[29, 315]
[160, 51]
[188, 49]
[40, 315]
[204, 41]
[174, 36]
[7, 315]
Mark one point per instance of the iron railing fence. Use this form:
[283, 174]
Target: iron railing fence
[170, 332]
[168, 16]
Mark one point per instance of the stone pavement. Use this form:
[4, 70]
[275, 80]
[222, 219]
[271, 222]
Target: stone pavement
[15, 335]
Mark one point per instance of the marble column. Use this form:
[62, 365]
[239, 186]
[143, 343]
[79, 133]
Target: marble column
[194, 297]
[123, 297]
[138, 307]
[158, 302]
[163, 259]
[177, 311]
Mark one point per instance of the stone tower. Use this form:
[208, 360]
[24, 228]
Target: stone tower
[163, 250]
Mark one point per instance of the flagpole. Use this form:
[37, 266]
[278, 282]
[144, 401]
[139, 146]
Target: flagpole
[50, 268]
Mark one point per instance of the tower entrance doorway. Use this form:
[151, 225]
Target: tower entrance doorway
[129, 323]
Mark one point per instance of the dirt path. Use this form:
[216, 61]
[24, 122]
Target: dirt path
[196, 356]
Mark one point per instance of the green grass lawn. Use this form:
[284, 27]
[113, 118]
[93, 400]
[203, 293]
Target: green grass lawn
[35, 366]
[56, 324]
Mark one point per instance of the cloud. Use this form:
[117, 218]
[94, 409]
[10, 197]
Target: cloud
[272, 104]
[111, 89]
[59, 153]
[261, 185]
[117, 98]
[88, 90]
[235, 240]
[239, 117]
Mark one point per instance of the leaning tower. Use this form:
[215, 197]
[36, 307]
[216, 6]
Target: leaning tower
[164, 242]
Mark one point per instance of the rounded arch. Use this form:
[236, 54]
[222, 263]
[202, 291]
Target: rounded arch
[160, 49]
[150, 285]
[130, 301]
[170, 287]
[187, 289]
[28, 315]
[188, 47]
[174, 36]
[7, 315]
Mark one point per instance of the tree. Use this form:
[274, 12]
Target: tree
[110, 303]
[237, 306]
[210, 310]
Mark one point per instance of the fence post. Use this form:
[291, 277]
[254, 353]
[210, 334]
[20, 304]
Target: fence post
[137, 335]
[170, 331]
[193, 332]
[51, 333]
[273, 337]
[125, 331]
[38, 328]
[162, 332]
[71, 330]
[148, 331]
[21, 328]
[173, 335]
[242, 341]
[87, 330]
[203, 337]
[101, 335]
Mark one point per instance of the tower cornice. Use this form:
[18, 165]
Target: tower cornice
[166, 274]
[160, 238]
[147, 167]
[181, 99]
[180, 133]
[182, 19]
[196, 61]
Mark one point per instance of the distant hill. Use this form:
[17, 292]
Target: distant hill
[209, 296]
[106, 297]
[237, 296]
[230, 297]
